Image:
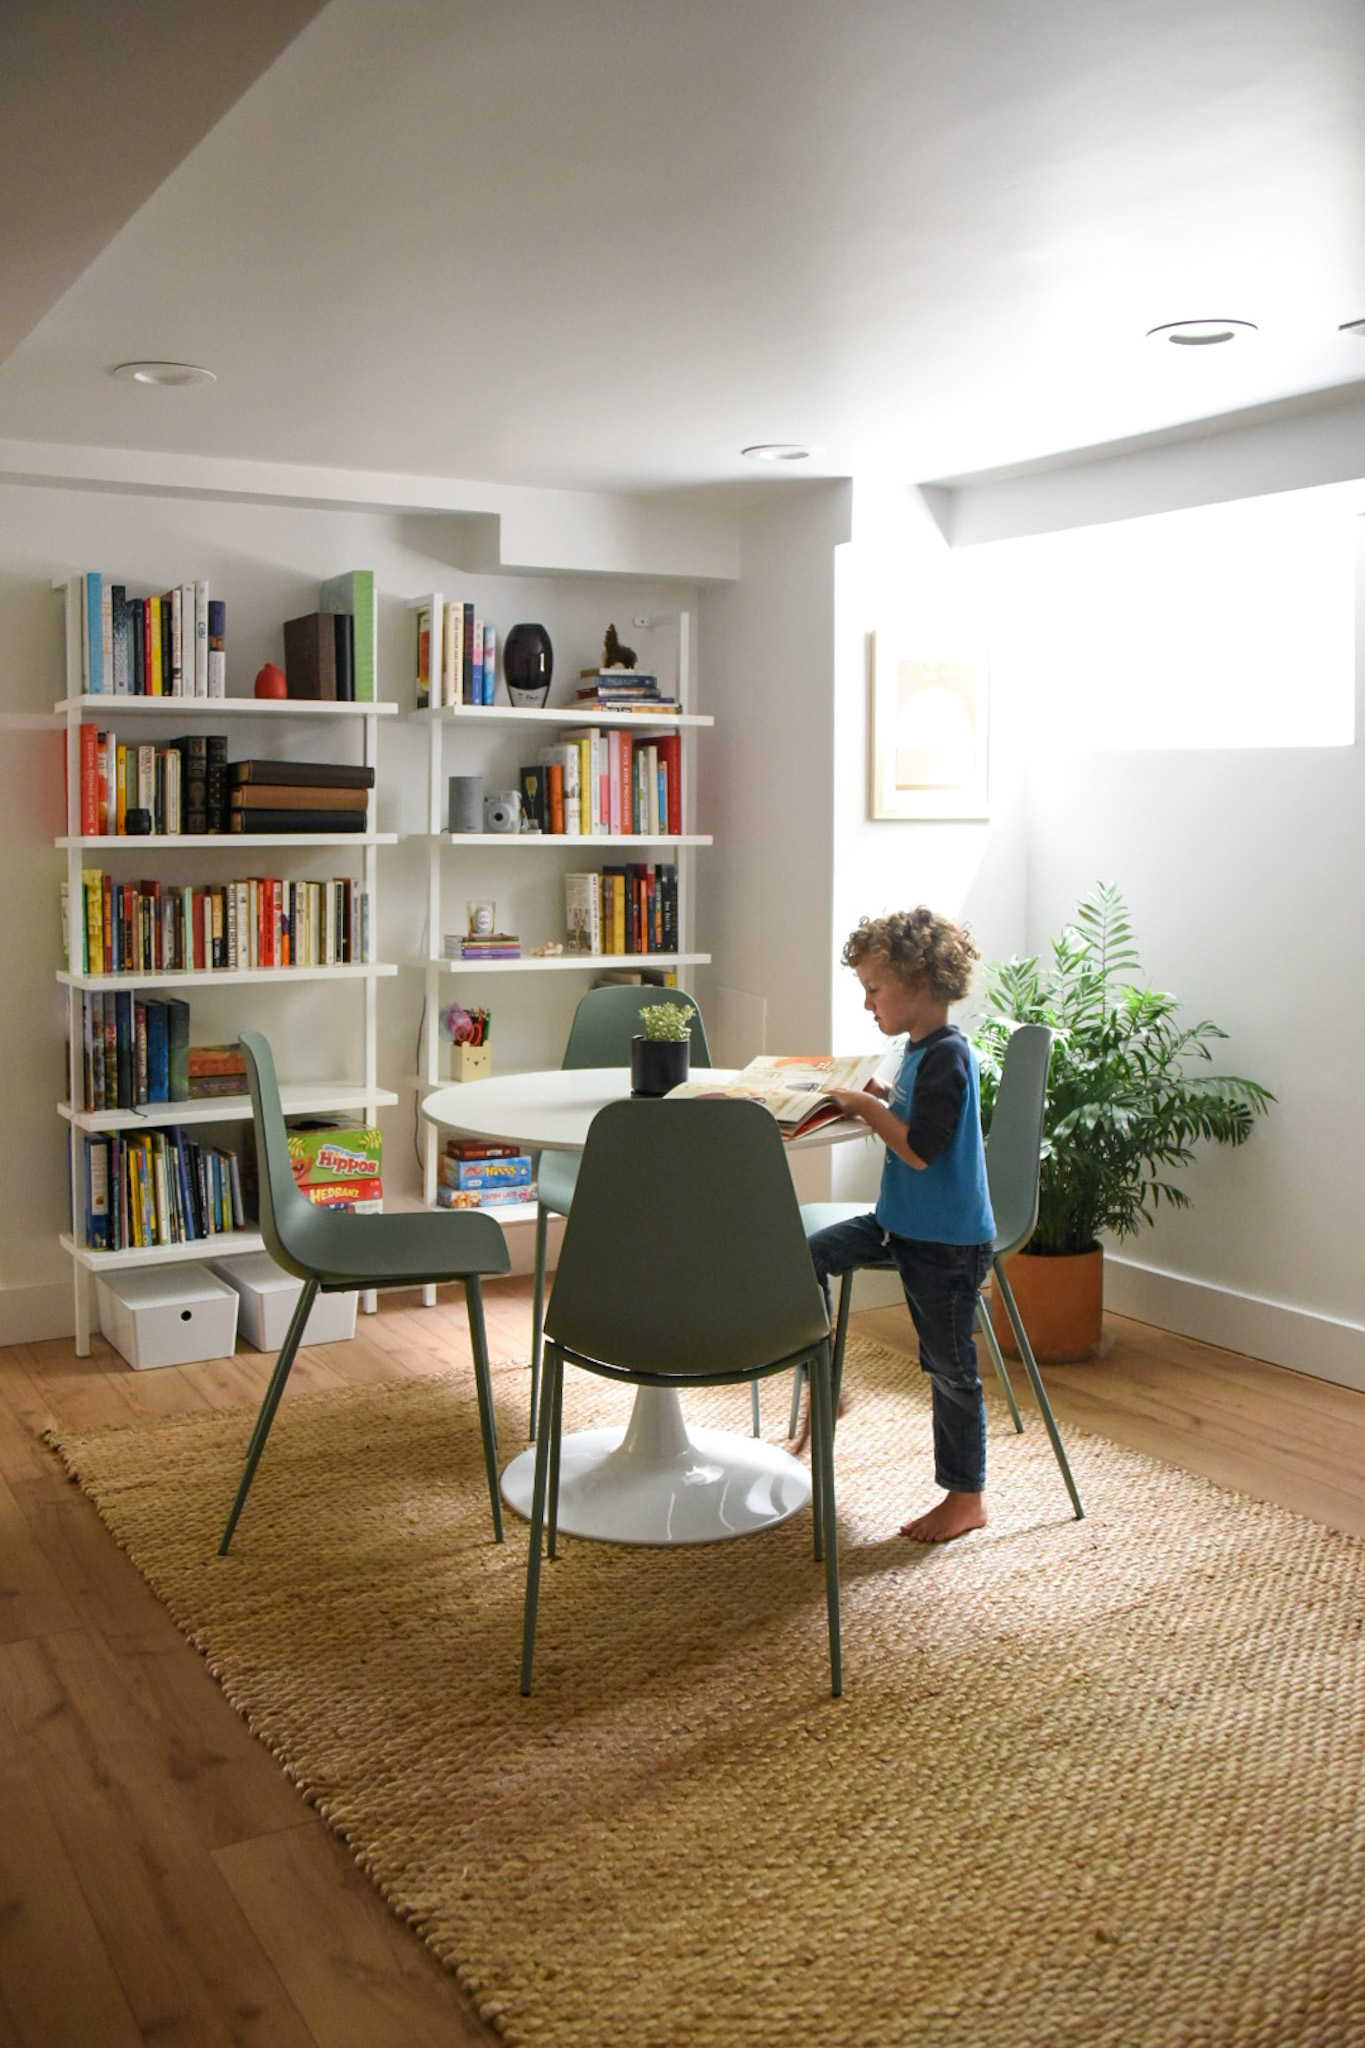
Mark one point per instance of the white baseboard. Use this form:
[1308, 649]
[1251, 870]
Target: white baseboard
[1323, 1346]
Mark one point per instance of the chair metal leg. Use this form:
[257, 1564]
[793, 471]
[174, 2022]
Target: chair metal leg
[483, 1383]
[754, 1408]
[553, 1368]
[822, 1470]
[987, 1329]
[538, 1313]
[840, 1338]
[799, 1377]
[555, 1424]
[302, 1310]
[1035, 1380]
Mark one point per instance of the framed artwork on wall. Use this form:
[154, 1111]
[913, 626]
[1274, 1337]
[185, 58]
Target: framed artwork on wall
[930, 732]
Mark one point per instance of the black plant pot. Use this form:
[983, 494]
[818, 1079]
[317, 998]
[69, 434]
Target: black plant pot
[528, 662]
[658, 1064]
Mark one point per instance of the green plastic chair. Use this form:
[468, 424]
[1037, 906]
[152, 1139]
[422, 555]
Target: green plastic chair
[701, 1278]
[603, 1025]
[1013, 1156]
[334, 1251]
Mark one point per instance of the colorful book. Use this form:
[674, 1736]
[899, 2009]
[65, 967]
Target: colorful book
[793, 1086]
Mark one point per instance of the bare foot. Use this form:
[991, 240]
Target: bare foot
[955, 1514]
[797, 1443]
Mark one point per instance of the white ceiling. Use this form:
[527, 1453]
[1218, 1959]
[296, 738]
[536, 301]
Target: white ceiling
[607, 243]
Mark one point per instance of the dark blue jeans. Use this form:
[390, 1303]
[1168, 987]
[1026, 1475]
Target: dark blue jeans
[942, 1283]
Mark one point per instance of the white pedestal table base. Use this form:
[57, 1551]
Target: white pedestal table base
[657, 1481]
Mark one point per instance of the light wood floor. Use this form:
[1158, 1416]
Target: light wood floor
[160, 1880]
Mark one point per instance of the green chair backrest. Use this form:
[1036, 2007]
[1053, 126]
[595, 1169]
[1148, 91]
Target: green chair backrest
[608, 1018]
[684, 1250]
[296, 1232]
[1016, 1136]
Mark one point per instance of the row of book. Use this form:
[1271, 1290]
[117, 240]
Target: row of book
[173, 643]
[623, 689]
[189, 786]
[155, 927]
[179, 786]
[159, 1187]
[473, 1175]
[456, 655]
[630, 909]
[168, 644]
[606, 781]
[135, 1051]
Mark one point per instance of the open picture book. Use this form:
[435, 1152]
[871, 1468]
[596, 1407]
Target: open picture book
[794, 1086]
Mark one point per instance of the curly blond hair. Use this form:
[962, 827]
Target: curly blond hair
[918, 945]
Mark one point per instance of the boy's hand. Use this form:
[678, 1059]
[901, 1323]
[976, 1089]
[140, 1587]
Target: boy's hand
[854, 1101]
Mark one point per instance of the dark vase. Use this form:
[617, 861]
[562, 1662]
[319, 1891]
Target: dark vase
[658, 1064]
[528, 662]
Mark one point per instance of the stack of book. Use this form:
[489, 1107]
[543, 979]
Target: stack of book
[298, 796]
[487, 946]
[473, 1175]
[623, 689]
[216, 1070]
[160, 1187]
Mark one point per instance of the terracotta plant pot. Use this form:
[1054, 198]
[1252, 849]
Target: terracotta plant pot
[1061, 1303]
[658, 1064]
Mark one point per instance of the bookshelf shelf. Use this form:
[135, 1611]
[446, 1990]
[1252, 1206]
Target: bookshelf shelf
[131, 842]
[342, 1027]
[570, 963]
[572, 842]
[221, 1244]
[311, 1099]
[475, 715]
[224, 977]
[268, 709]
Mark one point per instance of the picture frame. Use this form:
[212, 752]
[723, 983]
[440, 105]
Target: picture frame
[929, 732]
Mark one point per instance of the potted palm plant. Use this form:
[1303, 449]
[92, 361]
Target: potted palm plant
[660, 1054]
[1128, 1102]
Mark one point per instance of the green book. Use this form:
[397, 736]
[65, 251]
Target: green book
[178, 1048]
[353, 592]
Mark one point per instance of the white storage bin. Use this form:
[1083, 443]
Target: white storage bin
[167, 1315]
[268, 1295]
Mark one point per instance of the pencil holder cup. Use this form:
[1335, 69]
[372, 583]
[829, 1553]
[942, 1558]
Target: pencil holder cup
[467, 1062]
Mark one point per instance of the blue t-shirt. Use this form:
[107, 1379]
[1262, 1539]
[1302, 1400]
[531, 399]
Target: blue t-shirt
[937, 1095]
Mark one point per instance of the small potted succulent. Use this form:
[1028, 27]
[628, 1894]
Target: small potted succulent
[660, 1054]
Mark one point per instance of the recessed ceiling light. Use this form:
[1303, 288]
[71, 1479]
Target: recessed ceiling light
[163, 373]
[780, 451]
[1201, 333]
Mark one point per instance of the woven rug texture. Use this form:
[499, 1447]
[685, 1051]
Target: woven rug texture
[1091, 1784]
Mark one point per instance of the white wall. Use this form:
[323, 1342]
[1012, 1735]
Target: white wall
[265, 559]
[1240, 869]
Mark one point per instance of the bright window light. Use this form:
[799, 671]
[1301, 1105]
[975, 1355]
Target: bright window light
[1227, 626]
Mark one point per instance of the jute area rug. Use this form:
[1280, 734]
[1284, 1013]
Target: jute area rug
[1091, 1783]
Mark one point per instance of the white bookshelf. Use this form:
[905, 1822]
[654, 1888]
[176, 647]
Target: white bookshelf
[265, 727]
[464, 738]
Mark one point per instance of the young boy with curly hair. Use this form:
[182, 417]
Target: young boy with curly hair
[933, 1218]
